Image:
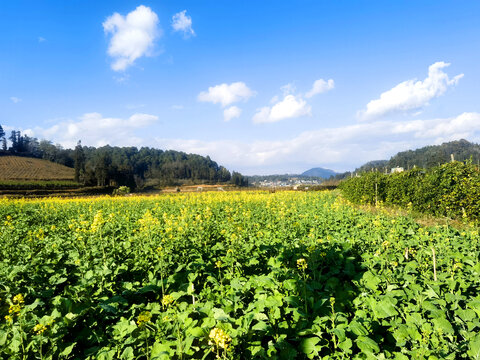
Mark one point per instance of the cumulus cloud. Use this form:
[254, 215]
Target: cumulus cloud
[232, 112]
[15, 100]
[290, 107]
[226, 94]
[341, 148]
[182, 22]
[96, 130]
[320, 86]
[411, 94]
[132, 37]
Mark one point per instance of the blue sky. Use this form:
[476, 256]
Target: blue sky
[261, 86]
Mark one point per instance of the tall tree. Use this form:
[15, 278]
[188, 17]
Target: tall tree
[79, 158]
[2, 132]
[13, 138]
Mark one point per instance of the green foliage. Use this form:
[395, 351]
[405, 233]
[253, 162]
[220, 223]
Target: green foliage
[451, 189]
[121, 191]
[237, 275]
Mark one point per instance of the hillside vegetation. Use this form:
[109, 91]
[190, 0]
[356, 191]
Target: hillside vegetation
[125, 166]
[17, 168]
[428, 156]
[451, 189]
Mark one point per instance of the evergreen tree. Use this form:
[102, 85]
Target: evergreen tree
[13, 139]
[2, 132]
[79, 159]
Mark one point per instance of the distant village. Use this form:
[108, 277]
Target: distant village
[291, 182]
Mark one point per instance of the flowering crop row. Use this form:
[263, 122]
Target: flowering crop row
[232, 275]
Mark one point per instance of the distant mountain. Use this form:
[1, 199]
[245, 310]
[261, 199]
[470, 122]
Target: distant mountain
[319, 172]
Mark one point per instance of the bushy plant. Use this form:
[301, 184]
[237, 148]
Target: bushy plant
[121, 191]
[451, 189]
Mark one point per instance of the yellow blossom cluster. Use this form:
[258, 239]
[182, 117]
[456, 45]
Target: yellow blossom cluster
[144, 318]
[16, 307]
[219, 338]
[167, 300]
[302, 264]
[98, 222]
[39, 329]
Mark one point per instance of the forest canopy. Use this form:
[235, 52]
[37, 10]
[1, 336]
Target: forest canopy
[129, 166]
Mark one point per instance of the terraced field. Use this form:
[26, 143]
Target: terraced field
[16, 168]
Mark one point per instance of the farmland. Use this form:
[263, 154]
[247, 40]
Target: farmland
[234, 275]
[30, 169]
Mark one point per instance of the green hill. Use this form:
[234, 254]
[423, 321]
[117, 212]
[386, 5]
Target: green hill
[429, 156]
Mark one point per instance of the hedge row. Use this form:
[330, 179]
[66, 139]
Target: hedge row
[451, 189]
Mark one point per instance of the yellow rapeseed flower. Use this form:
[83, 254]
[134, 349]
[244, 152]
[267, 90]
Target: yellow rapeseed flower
[302, 264]
[39, 329]
[18, 299]
[167, 300]
[14, 309]
[144, 318]
[219, 338]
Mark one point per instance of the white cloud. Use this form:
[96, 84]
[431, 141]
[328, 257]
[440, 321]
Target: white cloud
[132, 36]
[320, 86]
[290, 107]
[15, 100]
[95, 130]
[183, 22]
[341, 148]
[177, 107]
[411, 94]
[41, 39]
[232, 112]
[226, 94]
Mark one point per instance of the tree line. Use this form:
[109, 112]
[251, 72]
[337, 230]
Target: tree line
[123, 166]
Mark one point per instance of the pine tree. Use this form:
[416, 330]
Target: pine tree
[79, 158]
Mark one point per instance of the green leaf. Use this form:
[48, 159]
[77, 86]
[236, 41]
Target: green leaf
[3, 337]
[67, 350]
[444, 325]
[370, 281]
[106, 354]
[401, 334]
[357, 328]
[123, 328]
[367, 345]
[260, 326]
[384, 308]
[474, 348]
[196, 332]
[309, 346]
[346, 345]
[220, 315]
[161, 352]
[127, 354]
